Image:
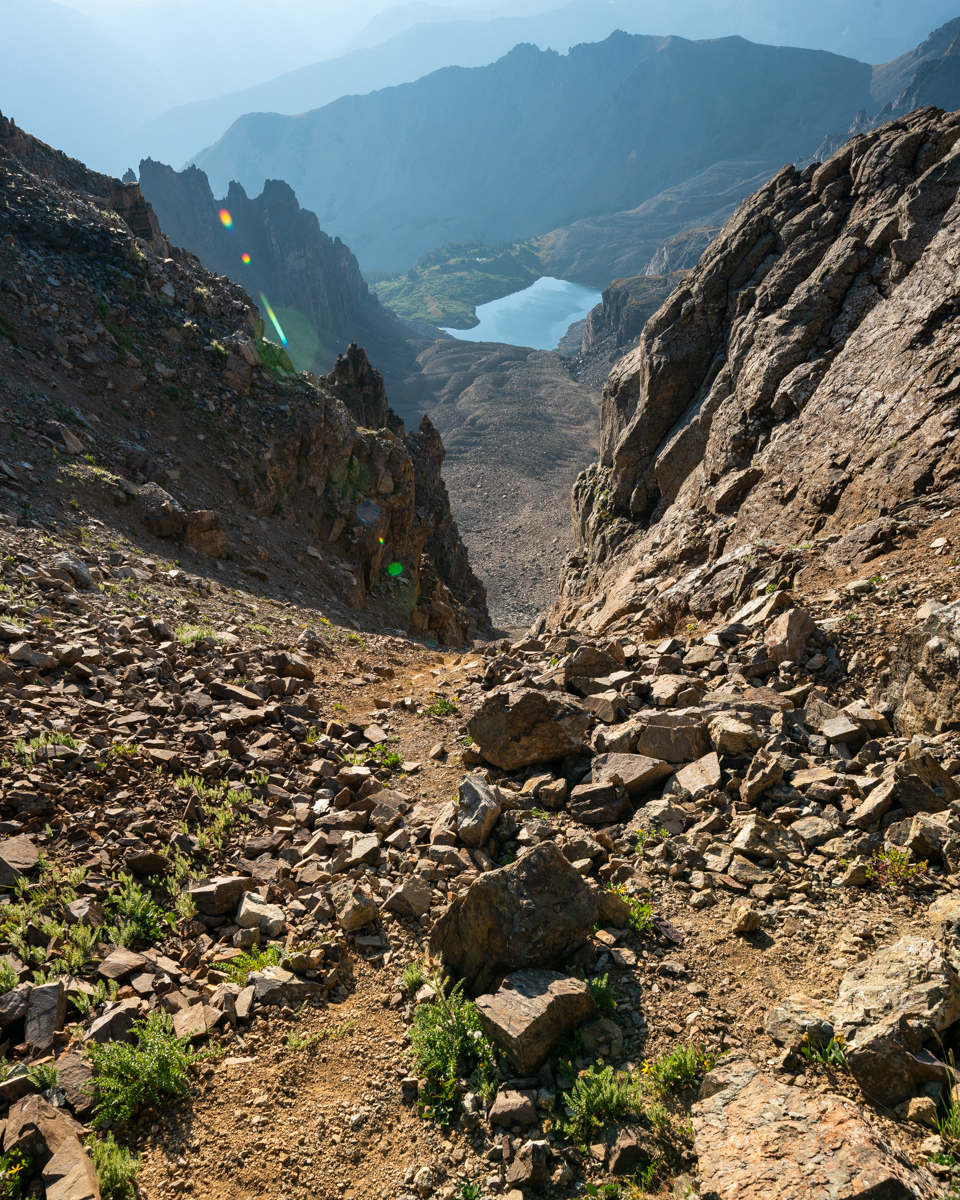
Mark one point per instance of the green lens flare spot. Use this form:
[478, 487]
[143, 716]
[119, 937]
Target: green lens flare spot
[395, 569]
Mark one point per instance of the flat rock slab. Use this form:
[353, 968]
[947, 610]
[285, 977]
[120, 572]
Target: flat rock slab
[531, 1011]
[635, 772]
[120, 962]
[757, 1139]
[18, 856]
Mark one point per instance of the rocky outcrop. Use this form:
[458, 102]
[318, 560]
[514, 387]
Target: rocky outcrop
[797, 386]
[757, 1138]
[627, 304]
[275, 248]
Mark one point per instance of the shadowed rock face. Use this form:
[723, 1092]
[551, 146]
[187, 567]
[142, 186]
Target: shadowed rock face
[798, 382]
[293, 262]
[535, 912]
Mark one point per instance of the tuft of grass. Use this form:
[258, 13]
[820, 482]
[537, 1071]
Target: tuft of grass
[414, 976]
[150, 1072]
[140, 917]
[116, 1167]
[678, 1070]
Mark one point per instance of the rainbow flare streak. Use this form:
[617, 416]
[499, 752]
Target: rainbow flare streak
[273, 317]
[226, 219]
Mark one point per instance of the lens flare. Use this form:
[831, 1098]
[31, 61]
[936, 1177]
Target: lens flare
[380, 541]
[273, 317]
[226, 219]
[395, 569]
[245, 259]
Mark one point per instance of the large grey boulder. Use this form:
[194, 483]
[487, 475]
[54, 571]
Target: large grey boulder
[535, 912]
[515, 727]
[886, 1007]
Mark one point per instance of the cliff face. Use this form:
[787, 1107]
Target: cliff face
[342, 502]
[799, 386]
[311, 280]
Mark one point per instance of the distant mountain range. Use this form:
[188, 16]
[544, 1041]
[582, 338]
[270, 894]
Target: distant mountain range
[537, 139]
[615, 146]
[164, 78]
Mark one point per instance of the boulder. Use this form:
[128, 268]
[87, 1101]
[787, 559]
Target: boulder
[535, 912]
[529, 1167]
[732, 734]
[410, 898]
[220, 896]
[531, 1011]
[160, 512]
[51, 1138]
[115, 1024]
[354, 908]
[516, 727]
[633, 1149]
[202, 532]
[798, 1016]
[514, 1107]
[46, 1012]
[598, 804]
[760, 838]
[18, 857]
[886, 1007]
[787, 635]
[635, 773]
[275, 986]
[764, 772]
[700, 777]
[759, 1139]
[477, 811]
[13, 1006]
[255, 913]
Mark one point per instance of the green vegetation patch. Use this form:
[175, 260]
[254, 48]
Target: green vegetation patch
[446, 285]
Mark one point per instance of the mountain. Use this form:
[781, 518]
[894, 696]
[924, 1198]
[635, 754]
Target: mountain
[538, 139]
[796, 390]
[198, 432]
[277, 250]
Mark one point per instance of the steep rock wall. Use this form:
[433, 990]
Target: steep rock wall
[801, 383]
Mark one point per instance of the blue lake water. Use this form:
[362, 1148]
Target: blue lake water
[538, 316]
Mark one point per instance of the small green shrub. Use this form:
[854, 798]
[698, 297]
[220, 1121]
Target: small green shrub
[141, 918]
[889, 869]
[44, 1076]
[116, 1167]
[8, 977]
[447, 1041]
[833, 1054]
[15, 1171]
[679, 1069]
[244, 965]
[599, 1095]
[443, 706]
[151, 1071]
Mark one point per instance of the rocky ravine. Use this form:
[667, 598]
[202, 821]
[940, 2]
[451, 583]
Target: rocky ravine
[170, 401]
[688, 860]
